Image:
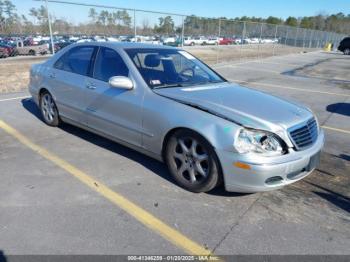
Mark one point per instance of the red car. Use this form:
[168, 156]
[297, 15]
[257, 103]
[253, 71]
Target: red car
[11, 51]
[3, 52]
[226, 41]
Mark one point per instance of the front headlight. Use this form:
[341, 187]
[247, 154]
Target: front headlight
[259, 142]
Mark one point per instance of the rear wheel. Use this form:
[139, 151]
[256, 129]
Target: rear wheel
[192, 161]
[347, 51]
[31, 52]
[48, 109]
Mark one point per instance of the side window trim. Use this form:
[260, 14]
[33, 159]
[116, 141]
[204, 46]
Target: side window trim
[96, 58]
[93, 61]
[94, 64]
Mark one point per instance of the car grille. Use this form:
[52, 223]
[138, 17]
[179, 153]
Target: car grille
[304, 135]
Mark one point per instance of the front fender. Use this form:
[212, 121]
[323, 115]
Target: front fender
[162, 115]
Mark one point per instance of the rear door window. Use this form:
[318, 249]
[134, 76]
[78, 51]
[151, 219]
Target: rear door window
[76, 60]
[109, 63]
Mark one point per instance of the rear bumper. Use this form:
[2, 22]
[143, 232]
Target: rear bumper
[34, 93]
[271, 175]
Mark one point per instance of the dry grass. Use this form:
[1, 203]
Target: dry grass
[212, 55]
[14, 72]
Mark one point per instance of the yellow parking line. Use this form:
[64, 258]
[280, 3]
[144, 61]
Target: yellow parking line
[289, 87]
[155, 224]
[336, 129]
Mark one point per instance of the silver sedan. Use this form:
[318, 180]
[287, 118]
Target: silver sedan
[169, 105]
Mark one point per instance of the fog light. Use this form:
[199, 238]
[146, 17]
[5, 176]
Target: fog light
[274, 180]
[242, 165]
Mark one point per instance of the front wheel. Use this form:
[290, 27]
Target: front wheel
[49, 110]
[347, 51]
[192, 161]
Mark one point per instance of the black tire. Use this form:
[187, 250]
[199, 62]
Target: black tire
[205, 156]
[347, 51]
[31, 52]
[54, 120]
[192, 43]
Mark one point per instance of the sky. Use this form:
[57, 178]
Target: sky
[205, 8]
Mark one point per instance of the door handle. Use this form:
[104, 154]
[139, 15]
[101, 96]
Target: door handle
[52, 75]
[90, 86]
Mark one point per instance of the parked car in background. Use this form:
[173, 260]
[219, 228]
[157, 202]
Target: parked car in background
[112, 39]
[254, 40]
[226, 41]
[62, 45]
[32, 49]
[189, 41]
[198, 40]
[155, 40]
[3, 52]
[11, 50]
[176, 43]
[169, 40]
[167, 104]
[344, 46]
[49, 45]
[237, 41]
[247, 40]
[85, 40]
[266, 41]
[212, 41]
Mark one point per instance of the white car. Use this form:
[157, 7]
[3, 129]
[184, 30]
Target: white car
[254, 40]
[189, 41]
[112, 39]
[266, 41]
[84, 40]
[199, 40]
[168, 40]
[213, 41]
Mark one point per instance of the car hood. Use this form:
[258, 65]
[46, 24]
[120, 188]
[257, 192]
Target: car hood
[242, 105]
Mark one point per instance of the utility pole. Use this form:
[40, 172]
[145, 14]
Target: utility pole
[183, 32]
[135, 25]
[49, 20]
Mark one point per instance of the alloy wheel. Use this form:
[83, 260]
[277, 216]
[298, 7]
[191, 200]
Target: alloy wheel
[48, 108]
[192, 160]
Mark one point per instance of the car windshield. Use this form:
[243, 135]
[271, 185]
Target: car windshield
[163, 68]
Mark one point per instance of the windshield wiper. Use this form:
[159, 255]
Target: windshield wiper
[168, 85]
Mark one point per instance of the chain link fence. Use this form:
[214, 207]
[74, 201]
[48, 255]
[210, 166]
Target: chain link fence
[212, 40]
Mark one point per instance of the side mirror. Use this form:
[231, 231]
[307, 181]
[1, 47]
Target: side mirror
[121, 82]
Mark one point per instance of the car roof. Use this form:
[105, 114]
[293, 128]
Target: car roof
[125, 45]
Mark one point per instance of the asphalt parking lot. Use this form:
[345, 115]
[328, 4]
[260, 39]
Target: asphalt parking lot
[67, 191]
